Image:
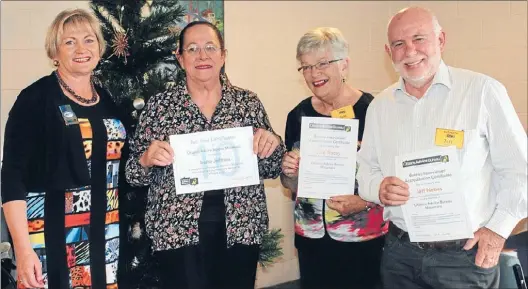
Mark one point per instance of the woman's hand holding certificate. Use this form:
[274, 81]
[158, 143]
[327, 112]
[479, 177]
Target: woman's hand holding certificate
[264, 143]
[159, 153]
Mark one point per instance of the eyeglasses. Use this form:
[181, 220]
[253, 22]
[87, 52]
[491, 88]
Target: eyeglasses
[320, 66]
[195, 49]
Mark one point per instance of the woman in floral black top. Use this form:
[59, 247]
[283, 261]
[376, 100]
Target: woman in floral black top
[209, 239]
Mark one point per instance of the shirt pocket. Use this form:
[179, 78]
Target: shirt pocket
[474, 152]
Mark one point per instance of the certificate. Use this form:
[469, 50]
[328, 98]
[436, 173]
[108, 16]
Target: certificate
[328, 157]
[436, 209]
[214, 160]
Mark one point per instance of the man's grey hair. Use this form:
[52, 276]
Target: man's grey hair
[322, 38]
[436, 26]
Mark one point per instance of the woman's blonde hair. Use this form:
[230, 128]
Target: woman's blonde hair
[72, 17]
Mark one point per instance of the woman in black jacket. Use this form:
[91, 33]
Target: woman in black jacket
[62, 150]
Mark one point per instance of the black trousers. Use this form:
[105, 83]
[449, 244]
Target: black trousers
[209, 265]
[329, 264]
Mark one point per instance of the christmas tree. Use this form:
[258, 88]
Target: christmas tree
[140, 62]
[142, 36]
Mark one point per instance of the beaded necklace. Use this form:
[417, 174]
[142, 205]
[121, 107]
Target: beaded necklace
[78, 97]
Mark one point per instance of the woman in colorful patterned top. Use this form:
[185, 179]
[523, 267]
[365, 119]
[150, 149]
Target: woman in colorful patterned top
[62, 150]
[208, 239]
[339, 242]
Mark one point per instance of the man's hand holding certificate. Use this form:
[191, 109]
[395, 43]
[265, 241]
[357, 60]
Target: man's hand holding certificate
[328, 157]
[213, 160]
[436, 210]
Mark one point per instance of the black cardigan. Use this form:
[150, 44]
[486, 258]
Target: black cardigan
[41, 153]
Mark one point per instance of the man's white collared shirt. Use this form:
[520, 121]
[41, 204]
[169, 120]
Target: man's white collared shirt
[493, 158]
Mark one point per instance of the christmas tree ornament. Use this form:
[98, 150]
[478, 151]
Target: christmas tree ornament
[120, 45]
[138, 103]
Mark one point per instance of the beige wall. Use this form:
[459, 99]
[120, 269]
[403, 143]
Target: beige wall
[489, 37]
[23, 59]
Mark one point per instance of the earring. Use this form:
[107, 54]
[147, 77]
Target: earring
[343, 80]
[56, 63]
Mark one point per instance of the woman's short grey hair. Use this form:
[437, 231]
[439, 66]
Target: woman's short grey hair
[72, 17]
[323, 38]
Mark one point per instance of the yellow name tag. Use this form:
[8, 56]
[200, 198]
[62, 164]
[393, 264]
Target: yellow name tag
[448, 137]
[344, 112]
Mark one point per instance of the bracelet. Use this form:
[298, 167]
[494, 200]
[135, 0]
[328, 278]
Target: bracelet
[368, 206]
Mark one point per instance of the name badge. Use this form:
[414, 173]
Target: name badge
[68, 115]
[344, 112]
[449, 137]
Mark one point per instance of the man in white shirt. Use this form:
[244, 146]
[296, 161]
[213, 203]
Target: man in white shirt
[493, 159]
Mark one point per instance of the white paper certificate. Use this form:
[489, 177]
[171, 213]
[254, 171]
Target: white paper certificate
[328, 157]
[214, 160]
[436, 209]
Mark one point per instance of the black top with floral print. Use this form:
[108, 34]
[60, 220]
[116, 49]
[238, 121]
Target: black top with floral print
[172, 220]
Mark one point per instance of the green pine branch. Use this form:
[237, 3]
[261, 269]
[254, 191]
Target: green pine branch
[271, 248]
[150, 46]
[159, 21]
[110, 5]
[156, 81]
